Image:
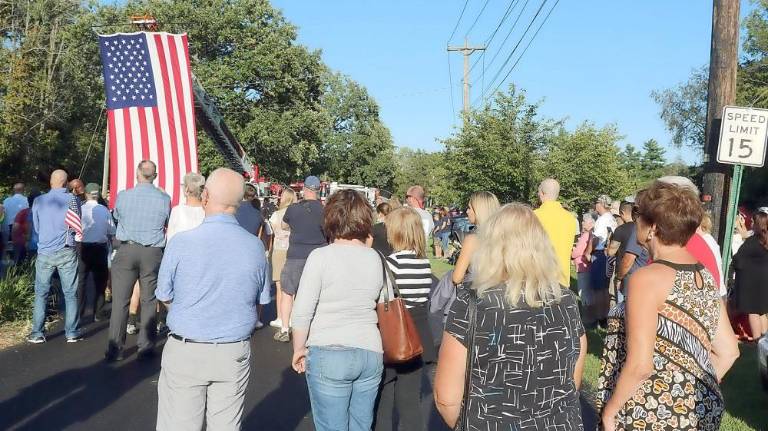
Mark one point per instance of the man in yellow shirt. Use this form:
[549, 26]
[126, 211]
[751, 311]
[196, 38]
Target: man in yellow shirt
[561, 226]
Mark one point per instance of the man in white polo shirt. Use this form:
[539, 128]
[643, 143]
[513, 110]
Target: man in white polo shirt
[415, 197]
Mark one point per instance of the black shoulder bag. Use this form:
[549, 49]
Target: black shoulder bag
[463, 423]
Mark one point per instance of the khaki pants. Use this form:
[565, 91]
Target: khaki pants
[202, 381]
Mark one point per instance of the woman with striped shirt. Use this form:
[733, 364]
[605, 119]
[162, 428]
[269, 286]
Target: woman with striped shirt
[401, 386]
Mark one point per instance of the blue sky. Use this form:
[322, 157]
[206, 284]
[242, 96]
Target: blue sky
[594, 60]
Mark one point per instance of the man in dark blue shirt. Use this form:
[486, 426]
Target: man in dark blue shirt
[305, 221]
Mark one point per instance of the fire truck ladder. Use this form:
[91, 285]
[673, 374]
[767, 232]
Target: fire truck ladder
[209, 116]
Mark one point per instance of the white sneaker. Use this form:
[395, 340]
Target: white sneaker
[277, 323]
[131, 329]
[259, 325]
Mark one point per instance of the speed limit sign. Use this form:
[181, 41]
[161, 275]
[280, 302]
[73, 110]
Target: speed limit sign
[743, 136]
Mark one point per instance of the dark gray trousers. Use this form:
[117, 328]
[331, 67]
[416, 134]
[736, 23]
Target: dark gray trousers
[134, 262]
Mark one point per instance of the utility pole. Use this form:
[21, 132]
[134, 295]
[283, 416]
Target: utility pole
[467, 51]
[723, 60]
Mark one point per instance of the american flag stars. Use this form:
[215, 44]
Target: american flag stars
[128, 70]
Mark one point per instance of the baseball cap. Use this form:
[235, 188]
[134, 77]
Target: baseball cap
[92, 188]
[312, 183]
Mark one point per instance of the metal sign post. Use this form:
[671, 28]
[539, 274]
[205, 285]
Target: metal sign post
[742, 143]
[733, 211]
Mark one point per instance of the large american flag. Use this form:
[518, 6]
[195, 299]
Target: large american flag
[150, 108]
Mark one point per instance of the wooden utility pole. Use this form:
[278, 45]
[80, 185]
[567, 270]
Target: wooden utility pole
[467, 51]
[723, 61]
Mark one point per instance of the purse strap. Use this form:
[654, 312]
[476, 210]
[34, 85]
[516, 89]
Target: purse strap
[463, 422]
[388, 279]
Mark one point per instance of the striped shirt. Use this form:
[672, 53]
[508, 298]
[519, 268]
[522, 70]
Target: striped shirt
[413, 276]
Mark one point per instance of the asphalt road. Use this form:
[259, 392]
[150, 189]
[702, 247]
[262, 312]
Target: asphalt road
[60, 386]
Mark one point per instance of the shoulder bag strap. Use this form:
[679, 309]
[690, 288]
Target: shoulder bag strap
[388, 280]
[463, 422]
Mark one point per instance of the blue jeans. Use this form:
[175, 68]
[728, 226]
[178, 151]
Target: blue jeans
[444, 240]
[65, 261]
[343, 384]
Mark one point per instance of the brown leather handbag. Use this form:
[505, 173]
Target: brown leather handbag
[399, 337]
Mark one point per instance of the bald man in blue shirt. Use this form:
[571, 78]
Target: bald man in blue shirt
[212, 313]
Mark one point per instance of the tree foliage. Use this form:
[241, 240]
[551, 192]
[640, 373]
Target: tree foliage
[684, 110]
[430, 170]
[278, 97]
[358, 147]
[498, 148]
[587, 164]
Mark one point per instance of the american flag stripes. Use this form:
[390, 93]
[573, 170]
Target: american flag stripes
[73, 222]
[150, 108]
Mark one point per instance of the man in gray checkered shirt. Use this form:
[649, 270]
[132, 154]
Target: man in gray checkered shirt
[142, 214]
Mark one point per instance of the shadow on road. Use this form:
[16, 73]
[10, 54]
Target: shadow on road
[72, 396]
[284, 408]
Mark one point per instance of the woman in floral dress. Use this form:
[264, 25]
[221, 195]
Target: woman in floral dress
[669, 344]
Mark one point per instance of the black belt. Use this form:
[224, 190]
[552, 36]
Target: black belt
[187, 340]
[134, 243]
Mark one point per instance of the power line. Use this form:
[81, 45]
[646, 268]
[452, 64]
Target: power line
[476, 18]
[509, 57]
[458, 21]
[493, 34]
[527, 46]
[509, 33]
[450, 88]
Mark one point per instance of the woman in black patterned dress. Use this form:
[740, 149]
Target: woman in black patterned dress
[529, 342]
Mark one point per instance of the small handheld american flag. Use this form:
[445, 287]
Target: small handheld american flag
[72, 220]
[150, 108]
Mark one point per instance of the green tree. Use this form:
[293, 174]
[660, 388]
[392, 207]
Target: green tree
[630, 158]
[244, 52]
[587, 164]
[652, 160]
[498, 148]
[357, 147]
[430, 170]
[684, 110]
[50, 98]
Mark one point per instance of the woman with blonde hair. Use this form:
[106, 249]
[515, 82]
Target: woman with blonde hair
[515, 316]
[279, 248]
[481, 206]
[401, 386]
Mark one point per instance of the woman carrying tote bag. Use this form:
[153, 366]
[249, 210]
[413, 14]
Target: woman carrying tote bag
[528, 347]
[336, 340]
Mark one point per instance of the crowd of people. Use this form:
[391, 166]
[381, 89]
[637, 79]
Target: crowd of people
[509, 347]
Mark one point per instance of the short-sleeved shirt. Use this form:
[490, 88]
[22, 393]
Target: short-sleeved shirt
[249, 217]
[282, 236]
[306, 221]
[526, 357]
[13, 205]
[641, 254]
[142, 214]
[621, 235]
[702, 251]
[24, 220]
[212, 302]
[559, 223]
[604, 225]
